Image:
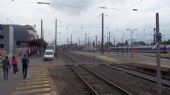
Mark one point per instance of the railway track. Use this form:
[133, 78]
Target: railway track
[125, 74]
[140, 74]
[147, 71]
[128, 70]
[96, 83]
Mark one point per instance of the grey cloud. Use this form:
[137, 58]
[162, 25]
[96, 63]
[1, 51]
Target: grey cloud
[71, 6]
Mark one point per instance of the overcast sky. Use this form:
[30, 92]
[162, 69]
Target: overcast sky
[78, 17]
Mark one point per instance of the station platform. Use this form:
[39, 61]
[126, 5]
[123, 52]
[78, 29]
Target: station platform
[143, 59]
[38, 81]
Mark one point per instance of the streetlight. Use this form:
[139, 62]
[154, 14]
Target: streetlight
[131, 30]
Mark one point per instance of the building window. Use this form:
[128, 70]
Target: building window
[1, 28]
[1, 45]
[1, 36]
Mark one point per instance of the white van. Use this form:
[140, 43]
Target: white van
[48, 54]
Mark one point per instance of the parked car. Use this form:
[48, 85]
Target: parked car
[48, 54]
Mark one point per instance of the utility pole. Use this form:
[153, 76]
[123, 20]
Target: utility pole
[96, 42]
[154, 36]
[56, 50]
[79, 41]
[41, 29]
[114, 41]
[42, 38]
[108, 44]
[71, 39]
[88, 43]
[158, 39]
[67, 41]
[109, 40]
[164, 44]
[102, 33]
[131, 45]
[85, 40]
[122, 45]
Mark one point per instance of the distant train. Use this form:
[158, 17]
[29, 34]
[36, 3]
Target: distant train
[140, 49]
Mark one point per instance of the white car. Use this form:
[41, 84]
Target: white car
[48, 55]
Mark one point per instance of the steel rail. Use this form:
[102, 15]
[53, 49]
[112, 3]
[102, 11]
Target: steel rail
[96, 75]
[139, 74]
[106, 81]
[92, 90]
[142, 75]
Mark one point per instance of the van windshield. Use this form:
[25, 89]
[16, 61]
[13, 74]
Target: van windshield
[48, 53]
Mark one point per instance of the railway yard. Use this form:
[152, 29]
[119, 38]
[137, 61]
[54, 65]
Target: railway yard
[85, 47]
[78, 74]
